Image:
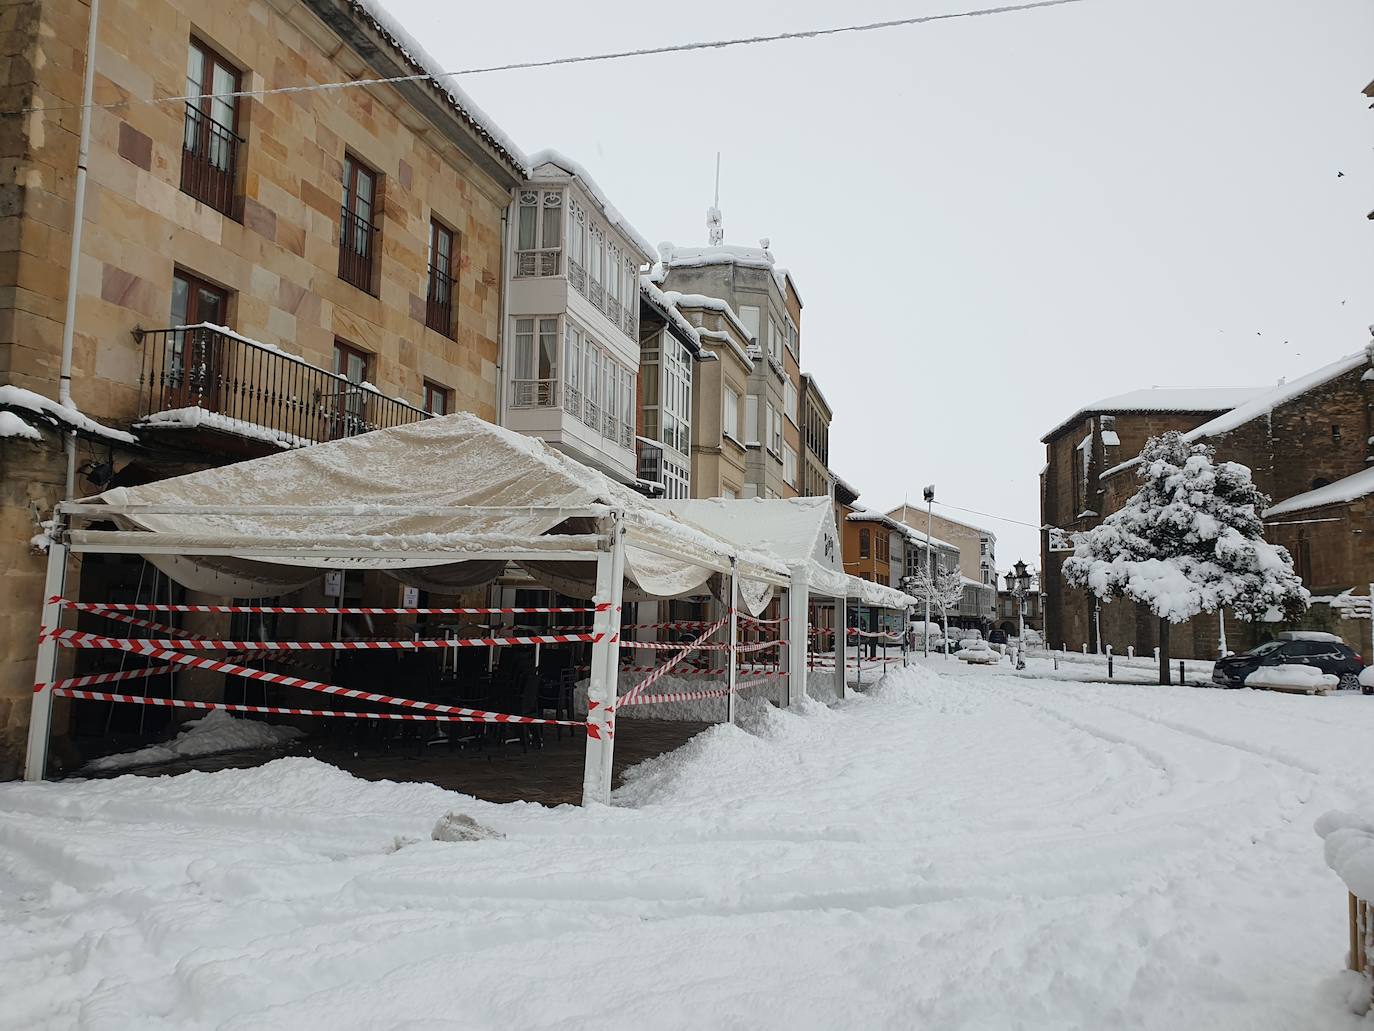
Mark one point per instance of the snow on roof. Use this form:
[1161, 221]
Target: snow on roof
[17, 397]
[843, 484]
[816, 388]
[655, 298]
[1360, 485]
[1262, 403]
[673, 256]
[1165, 399]
[866, 515]
[416, 55]
[549, 156]
[710, 304]
[13, 426]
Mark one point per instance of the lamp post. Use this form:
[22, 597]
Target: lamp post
[1018, 585]
[929, 494]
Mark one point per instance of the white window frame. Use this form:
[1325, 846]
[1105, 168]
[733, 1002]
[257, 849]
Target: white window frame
[789, 404]
[789, 465]
[751, 422]
[542, 259]
[751, 315]
[729, 413]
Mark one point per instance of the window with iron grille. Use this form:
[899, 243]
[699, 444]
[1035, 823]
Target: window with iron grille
[352, 367]
[210, 145]
[357, 229]
[539, 233]
[443, 263]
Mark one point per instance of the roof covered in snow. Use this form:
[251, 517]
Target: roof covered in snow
[549, 163]
[17, 399]
[418, 58]
[673, 256]
[867, 515]
[1352, 488]
[1164, 399]
[709, 303]
[1261, 403]
[668, 311]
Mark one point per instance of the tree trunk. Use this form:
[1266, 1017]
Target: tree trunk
[1164, 651]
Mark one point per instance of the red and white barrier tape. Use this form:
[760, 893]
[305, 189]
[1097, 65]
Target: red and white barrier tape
[279, 710]
[664, 669]
[306, 610]
[217, 666]
[109, 678]
[854, 631]
[77, 639]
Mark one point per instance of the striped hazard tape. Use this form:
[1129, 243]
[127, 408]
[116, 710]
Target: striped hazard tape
[145, 645]
[307, 610]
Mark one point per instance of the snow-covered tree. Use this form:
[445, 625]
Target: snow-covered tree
[946, 590]
[1191, 540]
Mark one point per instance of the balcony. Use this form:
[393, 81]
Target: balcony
[357, 244]
[210, 161]
[202, 377]
[439, 302]
[537, 262]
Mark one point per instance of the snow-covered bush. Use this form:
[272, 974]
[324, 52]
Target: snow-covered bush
[1293, 675]
[1191, 540]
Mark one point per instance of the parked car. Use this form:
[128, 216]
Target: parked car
[997, 637]
[1326, 652]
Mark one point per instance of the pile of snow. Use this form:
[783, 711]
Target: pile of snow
[1320, 636]
[1349, 849]
[976, 650]
[217, 732]
[59, 414]
[1292, 675]
[462, 827]
[13, 426]
[192, 418]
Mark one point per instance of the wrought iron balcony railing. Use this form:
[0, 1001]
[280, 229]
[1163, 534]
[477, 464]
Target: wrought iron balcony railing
[357, 244]
[254, 390]
[210, 161]
[439, 301]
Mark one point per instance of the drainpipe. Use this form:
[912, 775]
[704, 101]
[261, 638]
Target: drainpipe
[64, 381]
[505, 317]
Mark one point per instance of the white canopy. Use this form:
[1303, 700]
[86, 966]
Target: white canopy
[796, 531]
[435, 503]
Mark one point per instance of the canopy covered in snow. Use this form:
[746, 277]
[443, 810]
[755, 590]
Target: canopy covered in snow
[800, 532]
[430, 503]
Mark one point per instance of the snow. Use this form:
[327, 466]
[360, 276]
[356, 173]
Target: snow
[419, 58]
[1353, 487]
[959, 848]
[1311, 635]
[715, 304]
[200, 418]
[13, 426]
[1350, 849]
[217, 732]
[1296, 675]
[548, 156]
[1165, 399]
[1110, 439]
[670, 311]
[868, 515]
[17, 397]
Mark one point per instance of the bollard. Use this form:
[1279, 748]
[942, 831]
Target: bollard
[1085, 649]
[1130, 651]
[1056, 660]
[1109, 664]
[1180, 672]
[1156, 655]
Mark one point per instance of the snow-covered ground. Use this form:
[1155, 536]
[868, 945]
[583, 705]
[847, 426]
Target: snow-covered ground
[961, 848]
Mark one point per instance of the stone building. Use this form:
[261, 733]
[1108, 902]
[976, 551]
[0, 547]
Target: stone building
[816, 418]
[350, 242]
[1309, 444]
[977, 551]
[669, 353]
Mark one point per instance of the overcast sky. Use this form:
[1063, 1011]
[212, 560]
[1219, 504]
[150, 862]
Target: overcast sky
[992, 221]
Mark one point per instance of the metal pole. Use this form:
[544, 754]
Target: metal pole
[45, 667]
[1221, 626]
[601, 688]
[930, 572]
[730, 678]
[83, 150]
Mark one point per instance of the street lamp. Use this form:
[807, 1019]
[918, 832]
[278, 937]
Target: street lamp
[1018, 585]
[929, 494]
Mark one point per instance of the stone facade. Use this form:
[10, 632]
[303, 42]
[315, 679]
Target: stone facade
[1296, 442]
[276, 255]
[718, 452]
[816, 417]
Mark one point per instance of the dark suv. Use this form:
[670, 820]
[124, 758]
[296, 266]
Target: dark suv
[997, 637]
[1327, 653]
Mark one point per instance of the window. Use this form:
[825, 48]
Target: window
[613, 274]
[436, 399]
[539, 232]
[357, 233]
[572, 369]
[627, 409]
[863, 542]
[749, 315]
[729, 413]
[791, 336]
[439, 293]
[190, 361]
[729, 493]
[209, 144]
[591, 383]
[751, 421]
[774, 340]
[1335, 433]
[595, 246]
[534, 363]
[577, 236]
[776, 416]
[789, 464]
[882, 541]
[351, 366]
[789, 403]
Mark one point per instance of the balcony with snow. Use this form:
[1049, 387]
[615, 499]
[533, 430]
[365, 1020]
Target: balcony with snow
[572, 340]
[206, 387]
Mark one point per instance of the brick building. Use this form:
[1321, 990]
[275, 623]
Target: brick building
[350, 240]
[1308, 446]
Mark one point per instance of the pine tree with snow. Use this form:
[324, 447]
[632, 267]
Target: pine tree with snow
[1191, 540]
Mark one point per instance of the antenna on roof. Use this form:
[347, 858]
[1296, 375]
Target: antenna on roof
[714, 229]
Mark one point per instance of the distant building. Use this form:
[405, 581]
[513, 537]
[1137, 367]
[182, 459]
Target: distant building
[815, 432]
[977, 549]
[669, 350]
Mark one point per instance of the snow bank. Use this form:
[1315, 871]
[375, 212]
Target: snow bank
[217, 732]
[1349, 841]
[66, 415]
[13, 426]
[1296, 675]
[201, 418]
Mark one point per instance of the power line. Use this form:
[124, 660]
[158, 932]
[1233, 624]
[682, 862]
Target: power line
[990, 515]
[614, 55]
